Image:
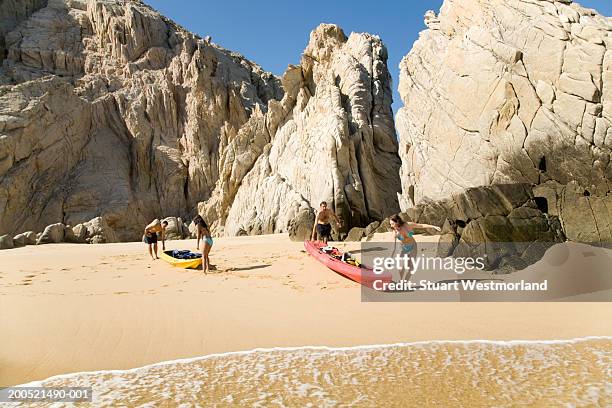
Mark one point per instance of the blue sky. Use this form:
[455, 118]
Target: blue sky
[274, 33]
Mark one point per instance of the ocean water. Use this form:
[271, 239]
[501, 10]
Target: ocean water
[570, 373]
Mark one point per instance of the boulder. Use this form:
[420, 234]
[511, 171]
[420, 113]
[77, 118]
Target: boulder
[446, 245]
[19, 240]
[71, 237]
[6, 242]
[355, 234]
[31, 238]
[371, 228]
[193, 230]
[186, 231]
[300, 227]
[495, 222]
[52, 234]
[80, 232]
[385, 226]
[174, 229]
[99, 232]
[449, 238]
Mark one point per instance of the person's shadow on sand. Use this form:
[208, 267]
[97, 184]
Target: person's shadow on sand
[249, 268]
[213, 268]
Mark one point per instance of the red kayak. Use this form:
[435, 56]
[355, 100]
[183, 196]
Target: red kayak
[333, 260]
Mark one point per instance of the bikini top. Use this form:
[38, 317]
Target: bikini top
[401, 237]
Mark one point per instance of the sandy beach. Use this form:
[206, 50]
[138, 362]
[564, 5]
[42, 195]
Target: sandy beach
[69, 308]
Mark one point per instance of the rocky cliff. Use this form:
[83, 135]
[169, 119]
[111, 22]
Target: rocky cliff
[331, 137]
[109, 109]
[512, 91]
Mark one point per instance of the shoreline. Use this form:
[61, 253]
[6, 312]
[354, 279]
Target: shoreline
[265, 350]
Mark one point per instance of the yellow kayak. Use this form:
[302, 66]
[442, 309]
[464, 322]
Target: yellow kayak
[181, 263]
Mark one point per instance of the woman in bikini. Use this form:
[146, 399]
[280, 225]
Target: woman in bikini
[404, 233]
[207, 241]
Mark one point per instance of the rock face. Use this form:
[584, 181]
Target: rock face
[512, 91]
[108, 109]
[13, 12]
[331, 138]
[503, 223]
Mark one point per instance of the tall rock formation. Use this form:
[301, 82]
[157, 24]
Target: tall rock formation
[109, 109]
[512, 91]
[330, 138]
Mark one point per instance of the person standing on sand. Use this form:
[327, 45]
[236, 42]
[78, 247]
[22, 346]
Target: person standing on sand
[150, 236]
[404, 233]
[207, 241]
[322, 227]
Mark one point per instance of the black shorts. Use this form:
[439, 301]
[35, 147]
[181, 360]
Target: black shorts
[324, 230]
[150, 238]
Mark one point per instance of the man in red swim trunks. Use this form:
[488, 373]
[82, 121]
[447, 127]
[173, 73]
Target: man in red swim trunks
[322, 227]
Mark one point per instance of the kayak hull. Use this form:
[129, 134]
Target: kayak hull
[359, 274]
[181, 263]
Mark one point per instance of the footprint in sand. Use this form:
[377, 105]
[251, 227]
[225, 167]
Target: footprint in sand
[120, 293]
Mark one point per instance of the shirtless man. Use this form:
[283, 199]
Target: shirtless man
[322, 227]
[150, 236]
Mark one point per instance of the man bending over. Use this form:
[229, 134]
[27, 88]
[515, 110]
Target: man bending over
[322, 227]
[150, 236]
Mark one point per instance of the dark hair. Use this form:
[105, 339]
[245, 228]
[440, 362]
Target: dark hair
[199, 221]
[398, 220]
[323, 203]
